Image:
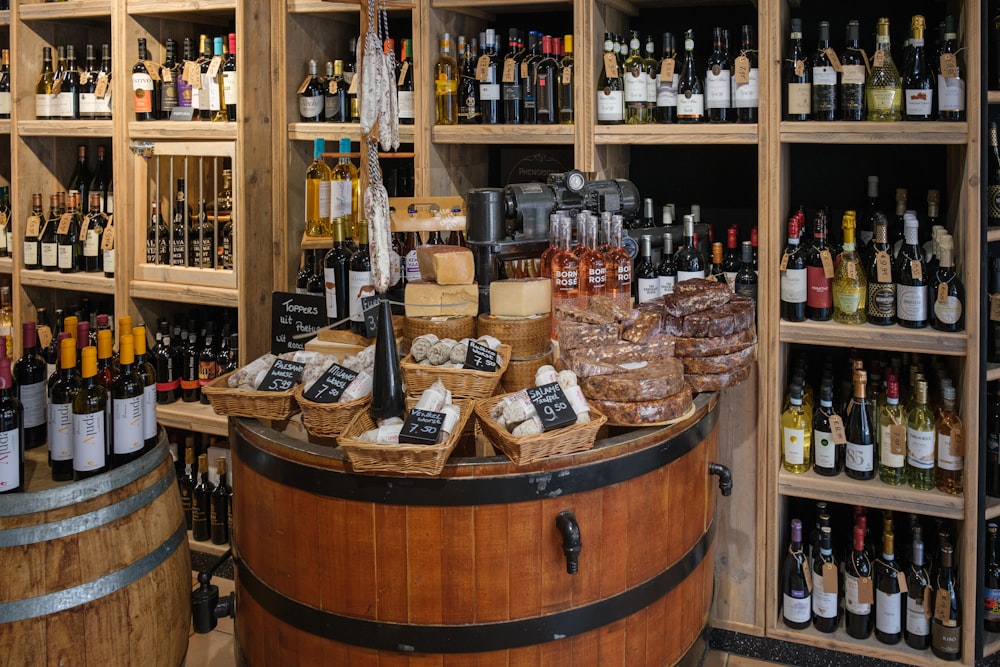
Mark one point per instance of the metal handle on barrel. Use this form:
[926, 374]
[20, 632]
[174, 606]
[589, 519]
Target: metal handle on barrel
[725, 477]
[570, 530]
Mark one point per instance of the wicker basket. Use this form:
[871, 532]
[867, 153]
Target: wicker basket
[409, 459]
[461, 382]
[455, 328]
[249, 403]
[328, 419]
[521, 372]
[530, 448]
[528, 337]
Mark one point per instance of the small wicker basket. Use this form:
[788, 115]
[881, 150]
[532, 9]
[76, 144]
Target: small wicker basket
[528, 337]
[455, 328]
[461, 382]
[527, 449]
[249, 403]
[328, 419]
[403, 458]
[521, 372]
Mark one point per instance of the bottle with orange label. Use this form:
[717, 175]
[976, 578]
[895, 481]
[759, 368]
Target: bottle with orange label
[144, 93]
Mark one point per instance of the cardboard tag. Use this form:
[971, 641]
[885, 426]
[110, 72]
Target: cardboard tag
[153, 69]
[878, 60]
[301, 89]
[282, 376]
[800, 67]
[567, 75]
[957, 445]
[837, 431]
[742, 73]
[942, 605]
[330, 387]
[44, 332]
[942, 292]
[101, 89]
[213, 66]
[524, 69]
[927, 601]
[949, 66]
[3, 220]
[917, 269]
[481, 358]
[834, 60]
[552, 406]
[84, 227]
[852, 271]
[166, 75]
[610, 66]
[509, 70]
[784, 261]
[482, 68]
[33, 224]
[824, 256]
[995, 307]
[422, 427]
[667, 66]
[353, 88]
[897, 439]
[65, 220]
[108, 238]
[829, 578]
[883, 267]
[84, 78]
[901, 580]
[866, 592]
[57, 86]
[864, 57]
[192, 74]
[331, 87]
[808, 579]
[402, 74]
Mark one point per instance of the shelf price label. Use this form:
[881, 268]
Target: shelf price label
[552, 406]
[282, 376]
[422, 427]
[369, 310]
[330, 387]
[481, 358]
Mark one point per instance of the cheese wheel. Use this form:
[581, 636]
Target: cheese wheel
[446, 264]
[520, 297]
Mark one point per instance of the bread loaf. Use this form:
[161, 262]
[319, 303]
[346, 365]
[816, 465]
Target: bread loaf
[656, 380]
[721, 363]
[635, 413]
[716, 381]
[574, 335]
[713, 347]
[620, 352]
[729, 318]
[643, 326]
[694, 295]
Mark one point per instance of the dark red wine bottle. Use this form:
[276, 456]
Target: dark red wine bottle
[11, 434]
[29, 371]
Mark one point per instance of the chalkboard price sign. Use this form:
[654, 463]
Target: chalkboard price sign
[369, 310]
[552, 406]
[330, 387]
[282, 376]
[481, 358]
[294, 314]
[422, 427]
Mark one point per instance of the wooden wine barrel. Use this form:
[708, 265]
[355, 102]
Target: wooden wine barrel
[337, 568]
[97, 572]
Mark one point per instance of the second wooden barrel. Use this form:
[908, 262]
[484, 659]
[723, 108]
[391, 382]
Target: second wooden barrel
[97, 572]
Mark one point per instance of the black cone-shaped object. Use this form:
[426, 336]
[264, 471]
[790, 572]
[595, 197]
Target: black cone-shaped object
[388, 398]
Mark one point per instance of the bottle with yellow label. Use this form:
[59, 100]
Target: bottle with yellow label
[446, 84]
[849, 284]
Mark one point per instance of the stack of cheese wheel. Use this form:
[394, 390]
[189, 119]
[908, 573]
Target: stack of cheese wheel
[716, 338]
[445, 301]
[519, 317]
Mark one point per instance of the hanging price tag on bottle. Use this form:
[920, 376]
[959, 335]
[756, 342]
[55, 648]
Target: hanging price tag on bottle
[800, 67]
[44, 335]
[864, 57]
[742, 66]
[32, 226]
[949, 66]
[483, 68]
[834, 60]
[610, 66]
[901, 581]
[784, 261]
[883, 267]
[897, 439]
[108, 238]
[878, 60]
[65, 221]
[153, 69]
[509, 70]
[192, 75]
[352, 89]
[567, 75]
[852, 271]
[667, 67]
[101, 89]
[866, 591]
[3, 221]
[994, 306]
[957, 447]
[824, 256]
[917, 269]
[524, 69]
[829, 578]
[57, 86]
[942, 605]
[84, 227]
[837, 431]
[402, 74]
[942, 292]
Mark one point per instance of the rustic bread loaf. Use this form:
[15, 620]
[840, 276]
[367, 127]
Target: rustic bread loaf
[646, 412]
[724, 320]
[695, 295]
[713, 347]
[658, 379]
[715, 381]
[721, 363]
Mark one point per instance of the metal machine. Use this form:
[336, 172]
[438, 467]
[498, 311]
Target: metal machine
[513, 222]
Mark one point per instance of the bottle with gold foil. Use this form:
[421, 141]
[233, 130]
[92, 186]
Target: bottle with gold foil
[881, 306]
[796, 434]
[950, 445]
[884, 94]
[892, 436]
[849, 284]
[318, 177]
[918, 80]
[446, 84]
[920, 440]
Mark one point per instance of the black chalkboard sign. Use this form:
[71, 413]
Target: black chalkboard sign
[294, 314]
[422, 427]
[552, 406]
[481, 358]
[330, 387]
[282, 376]
[369, 311]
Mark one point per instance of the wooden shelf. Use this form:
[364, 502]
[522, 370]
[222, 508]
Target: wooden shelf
[502, 134]
[206, 547]
[6, 264]
[192, 417]
[992, 508]
[169, 130]
[841, 641]
[872, 493]
[991, 643]
[181, 8]
[501, 6]
[77, 129]
[993, 96]
[4, 125]
[993, 234]
[866, 132]
[69, 10]
[77, 282]
[191, 294]
[332, 132]
[5, 17]
[702, 133]
[872, 337]
[992, 372]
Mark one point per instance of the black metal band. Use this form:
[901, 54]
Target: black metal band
[470, 491]
[479, 637]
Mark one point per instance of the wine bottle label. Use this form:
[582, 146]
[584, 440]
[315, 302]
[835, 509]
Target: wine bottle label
[31, 253]
[794, 285]
[88, 441]
[341, 198]
[666, 91]
[824, 76]
[142, 92]
[852, 75]
[33, 402]
[690, 106]
[951, 94]
[109, 260]
[230, 87]
[649, 289]
[489, 92]
[946, 640]
[333, 107]
[799, 98]
[819, 292]
[824, 603]
[718, 88]
[793, 442]
[824, 98]
[127, 421]
[919, 102]
[635, 86]
[412, 266]
[610, 105]
[747, 95]
[689, 275]
[50, 254]
[797, 609]
[888, 455]
[405, 104]
[359, 284]
[652, 85]
[860, 457]
[991, 604]
[847, 302]
[911, 302]
[65, 257]
[667, 284]
[883, 100]
[888, 612]
[881, 299]
[851, 598]
[946, 459]
[920, 448]
[330, 278]
[62, 105]
[92, 243]
[60, 431]
[566, 280]
[43, 105]
[309, 107]
[149, 412]
[10, 460]
[210, 85]
[825, 450]
[5, 103]
[948, 311]
[917, 619]
[88, 104]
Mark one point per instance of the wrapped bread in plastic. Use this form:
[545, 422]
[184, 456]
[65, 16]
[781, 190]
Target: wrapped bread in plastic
[579, 404]
[440, 352]
[359, 387]
[519, 408]
[566, 379]
[433, 398]
[458, 354]
[246, 374]
[545, 375]
[490, 342]
[531, 426]
[420, 346]
[451, 417]
[387, 434]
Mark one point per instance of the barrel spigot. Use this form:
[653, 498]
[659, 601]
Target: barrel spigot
[725, 477]
[570, 529]
[206, 607]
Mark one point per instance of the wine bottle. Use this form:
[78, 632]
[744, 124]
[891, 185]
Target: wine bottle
[690, 261]
[317, 198]
[92, 234]
[565, 274]
[993, 188]
[127, 403]
[359, 281]
[68, 237]
[201, 249]
[488, 74]
[29, 371]
[946, 628]
[186, 482]
[667, 270]
[796, 434]
[5, 99]
[48, 240]
[336, 276]
[230, 81]
[618, 265]
[467, 87]
[190, 387]
[794, 280]
[920, 440]
[918, 82]
[43, 89]
[546, 81]
[311, 98]
[32, 233]
[947, 290]
[219, 516]
[667, 82]
[950, 442]
[824, 78]
[207, 367]
[102, 88]
[950, 85]
[892, 436]
[860, 432]
[144, 91]
[881, 304]
[888, 595]
[594, 267]
[66, 104]
[690, 90]
[59, 431]
[169, 73]
[829, 454]
[610, 88]
[796, 608]
[179, 226]
[201, 503]
[647, 280]
[884, 86]
[911, 278]
[825, 594]
[90, 454]
[851, 100]
[746, 277]
[147, 375]
[991, 580]
[718, 82]
[512, 85]
[345, 190]
[567, 76]
[797, 78]
[12, 445]
[746, 77]
[917, 632]
[849, 285]
[858, 589]
[731, 260]
[819, 271]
